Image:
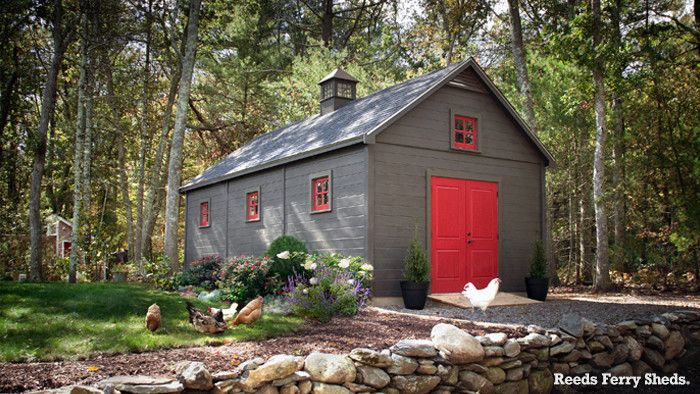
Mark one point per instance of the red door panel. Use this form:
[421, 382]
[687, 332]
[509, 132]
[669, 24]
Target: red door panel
[464, 233]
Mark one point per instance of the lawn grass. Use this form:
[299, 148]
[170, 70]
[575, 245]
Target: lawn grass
[50, 321]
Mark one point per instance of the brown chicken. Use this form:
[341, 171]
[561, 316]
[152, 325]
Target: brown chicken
[250, 313]
[205, 323]
[153, 317]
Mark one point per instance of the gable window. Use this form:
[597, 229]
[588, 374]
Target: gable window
[321, 194]
[464, 132]
[204, 214]
[252, 202]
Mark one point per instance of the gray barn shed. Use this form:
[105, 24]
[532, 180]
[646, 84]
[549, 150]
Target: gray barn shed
[445, 151]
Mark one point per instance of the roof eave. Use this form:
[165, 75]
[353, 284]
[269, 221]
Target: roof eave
[324, 149]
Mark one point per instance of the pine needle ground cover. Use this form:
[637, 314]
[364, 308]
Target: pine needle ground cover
[50, 321]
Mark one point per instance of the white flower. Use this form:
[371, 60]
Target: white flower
[344, 263]
[308, 264]
[313, 266]
[367, 267]
[351, 281]
[313, 281]
[284, 255]
[305, 291]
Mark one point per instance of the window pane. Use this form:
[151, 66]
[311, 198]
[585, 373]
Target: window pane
[459, 123]
[344, 90]
[325, 199]
[459, 137]
[470, 126]
[319, 199]
[325, 185]
[470, 138]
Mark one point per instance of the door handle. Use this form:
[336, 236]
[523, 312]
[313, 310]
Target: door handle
[469, 241]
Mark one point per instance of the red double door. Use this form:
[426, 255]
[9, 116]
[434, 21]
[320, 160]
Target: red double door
[464, 233]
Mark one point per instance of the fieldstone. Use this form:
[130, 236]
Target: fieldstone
[371, 357]
[297, 376]
[493, 351]
[330, 368]
[83, 389]
[534, 340]
[574, 355]
[580, 343]
[660, 330]
[643, 331]
[514, 374]
[624, 369]
[267, 389]
[635, 349]
[495, 375]
[605, 340]
[653, 358]
[670, 368]
[626, 326]
[562, 368]
[251, 364]
[540, 381]
[655, 343]
[640, 368]
[511, 364]
[674, 345]
[305, 387]
[325, 388]
[586, 355]
[455, 345]
[602, 360]
[474, 382]
[358, 388]
[621, 353]
[493, 339]
[391, 390]
[225, 375]
[541, 354]
[519, 387]
[572, 324]
[511, 348]
[228, 386]
[141, 384]
[426, 369]
[580, 369]
[415, 384]
[448, 374]
[414, 348]
[554, 339]
[372, 376]
[535, 328]
[277, 367]
[402, 365]
[564, 347]
[491, 361]
[290, 388]
[595, 346]
[194, 375]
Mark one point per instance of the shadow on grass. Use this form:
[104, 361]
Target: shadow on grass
[49, 321]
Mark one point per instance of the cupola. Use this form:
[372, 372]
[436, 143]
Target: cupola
[337, 89]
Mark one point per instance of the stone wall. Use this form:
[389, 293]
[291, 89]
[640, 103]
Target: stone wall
[453, 361]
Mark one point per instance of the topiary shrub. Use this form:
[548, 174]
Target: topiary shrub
[416, 267]
[282, 268]
[538, 263]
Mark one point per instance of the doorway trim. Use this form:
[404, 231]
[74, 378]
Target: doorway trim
[465, 176]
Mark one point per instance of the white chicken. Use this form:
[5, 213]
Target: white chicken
[228, 313]
[481, 298]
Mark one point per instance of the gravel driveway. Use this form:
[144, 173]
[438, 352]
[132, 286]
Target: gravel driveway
[609, 308]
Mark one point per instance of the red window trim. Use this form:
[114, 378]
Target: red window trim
[252, 206]
[323, 194]
[464, 145]
[204, 214]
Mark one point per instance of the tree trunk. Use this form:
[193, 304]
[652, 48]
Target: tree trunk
[520, 60]
[121, 162]
[78, 154]
[602, 269]
[145, 139]
[327, 23]
[48, 101]
[172, 203]
[619, 214]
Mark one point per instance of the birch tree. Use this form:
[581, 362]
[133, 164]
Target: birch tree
[172, 201]
[61, 38]
[602, 279]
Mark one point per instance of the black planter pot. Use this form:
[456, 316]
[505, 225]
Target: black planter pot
[414, 294]
[537, 288]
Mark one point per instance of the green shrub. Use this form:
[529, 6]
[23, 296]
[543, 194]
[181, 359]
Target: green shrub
[416, 267]
[243, 278]
[538, 263]
[203, 272]
[281, 269]
[158, 272]
[356, 265]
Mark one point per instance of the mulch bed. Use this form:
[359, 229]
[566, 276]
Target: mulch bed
[371, 328]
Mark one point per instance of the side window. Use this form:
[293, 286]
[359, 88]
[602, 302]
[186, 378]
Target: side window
[204, 214]
[321, 193]
[464, 132]
[252, 203]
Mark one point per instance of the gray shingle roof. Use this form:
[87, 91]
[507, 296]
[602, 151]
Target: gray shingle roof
[348, 125]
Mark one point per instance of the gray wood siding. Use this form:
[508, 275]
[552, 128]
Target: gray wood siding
[417, 146]
[205, 241]
[344, 228]
[253, 238]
